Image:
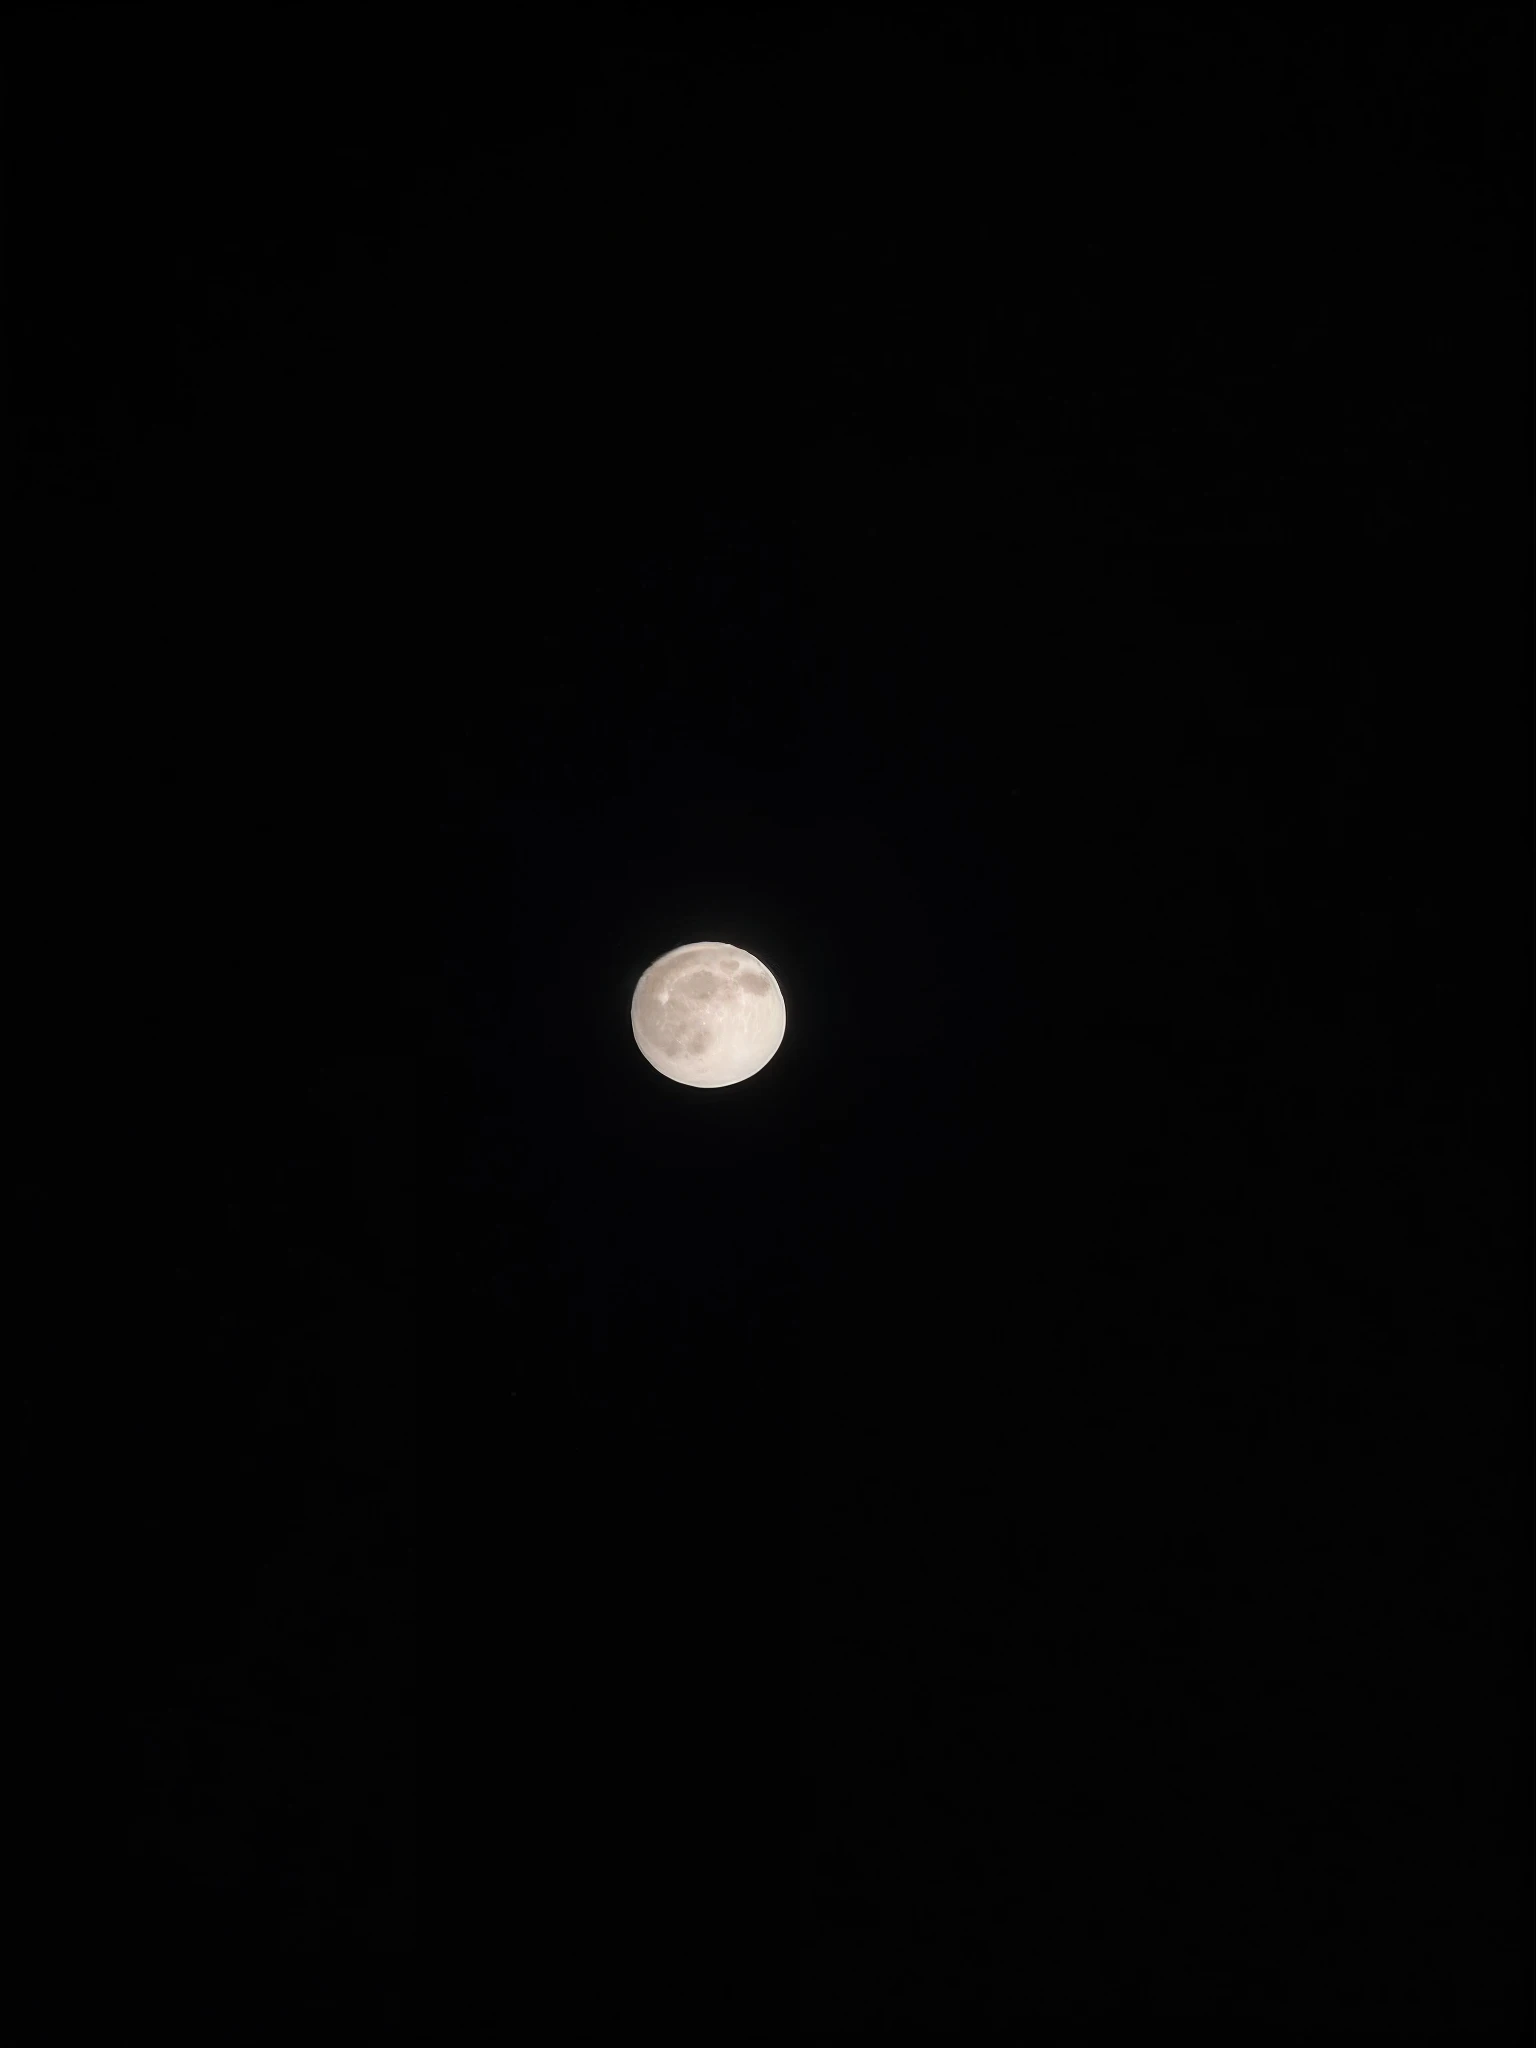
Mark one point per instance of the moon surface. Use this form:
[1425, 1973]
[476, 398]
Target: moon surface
[707, 1014]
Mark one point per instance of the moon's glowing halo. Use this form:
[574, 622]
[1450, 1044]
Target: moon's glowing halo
[707, 1014]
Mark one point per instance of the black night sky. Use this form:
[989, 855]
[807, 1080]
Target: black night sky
[1011, 1523]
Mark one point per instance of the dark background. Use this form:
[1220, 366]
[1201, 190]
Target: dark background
[1012, 1520]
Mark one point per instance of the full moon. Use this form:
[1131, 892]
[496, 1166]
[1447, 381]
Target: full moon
[707, 1014]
